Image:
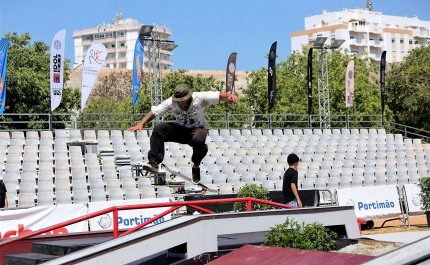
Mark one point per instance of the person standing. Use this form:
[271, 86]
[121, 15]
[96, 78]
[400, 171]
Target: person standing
[189, 127]
[289, 187]
[3, 198]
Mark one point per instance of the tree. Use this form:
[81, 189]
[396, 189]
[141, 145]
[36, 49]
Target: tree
[291, 98]
[408, 91]
[28, 86]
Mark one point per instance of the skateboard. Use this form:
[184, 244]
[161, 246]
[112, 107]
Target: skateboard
[174, 173]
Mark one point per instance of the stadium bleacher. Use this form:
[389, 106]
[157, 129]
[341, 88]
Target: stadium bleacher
[40, 168]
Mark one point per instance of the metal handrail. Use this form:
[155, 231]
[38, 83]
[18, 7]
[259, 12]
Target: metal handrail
[174, 206]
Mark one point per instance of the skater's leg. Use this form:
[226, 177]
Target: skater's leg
[200, 149]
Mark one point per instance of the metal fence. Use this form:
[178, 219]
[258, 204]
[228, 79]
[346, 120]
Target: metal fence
[121, 121]
[111, 121]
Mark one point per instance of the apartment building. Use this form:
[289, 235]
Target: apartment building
[119, 39]
[365, 32]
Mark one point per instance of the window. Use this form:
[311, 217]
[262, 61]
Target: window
[393, 40]
[112, 45]
[361, 23]
[351, 37]
[381, 39]
[87, 37]
[122, 44]
[109, 35]
[410, 41]
[415, 42]
[333, 37]
[120, 33]
[310, 41]
[402, 40]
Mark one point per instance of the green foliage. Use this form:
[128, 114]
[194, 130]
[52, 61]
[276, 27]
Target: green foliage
[28, 85]
[253, 191]
[291, 234]
[408, 91]
[424, 185]
[292, 92]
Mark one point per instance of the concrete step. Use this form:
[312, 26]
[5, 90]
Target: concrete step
[27, 258]
[64, 247]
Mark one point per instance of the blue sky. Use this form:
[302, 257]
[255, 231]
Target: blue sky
[206, 31]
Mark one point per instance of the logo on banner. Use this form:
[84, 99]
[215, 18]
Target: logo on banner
[1, 83]
[270, 71]
[272, 55]
[1, 55]
[95, 57]
[231, 67]
[350, 203]
[138, 66]
[57, 44]
[105, 221]
[350, 74]
[417, 200]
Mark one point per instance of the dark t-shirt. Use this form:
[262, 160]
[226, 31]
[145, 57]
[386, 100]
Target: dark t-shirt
[290, 176]
[2, 193]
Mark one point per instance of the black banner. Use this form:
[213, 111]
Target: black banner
[230, 76]
[310, 81]
[382, 80]
[272, 76]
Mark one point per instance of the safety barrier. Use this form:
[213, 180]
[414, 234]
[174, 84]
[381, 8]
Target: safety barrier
[115, 209]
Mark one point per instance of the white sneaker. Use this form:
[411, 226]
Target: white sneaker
[151, 166]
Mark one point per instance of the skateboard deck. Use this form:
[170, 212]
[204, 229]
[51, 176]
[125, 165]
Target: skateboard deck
[204, 187]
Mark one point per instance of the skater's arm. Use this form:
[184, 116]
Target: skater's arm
[6, 202]
[296, 194]
[227, 97]
[139, 126]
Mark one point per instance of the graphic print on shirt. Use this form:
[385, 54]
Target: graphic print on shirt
[188, 118]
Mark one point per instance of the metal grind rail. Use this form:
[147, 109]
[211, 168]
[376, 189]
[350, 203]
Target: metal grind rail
[174, 206]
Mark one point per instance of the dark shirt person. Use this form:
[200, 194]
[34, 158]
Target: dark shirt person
[289, 187]
[3, 198]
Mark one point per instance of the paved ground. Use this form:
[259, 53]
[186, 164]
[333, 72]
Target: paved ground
[394, 234]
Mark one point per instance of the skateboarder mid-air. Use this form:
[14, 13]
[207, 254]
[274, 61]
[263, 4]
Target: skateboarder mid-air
[189, 127]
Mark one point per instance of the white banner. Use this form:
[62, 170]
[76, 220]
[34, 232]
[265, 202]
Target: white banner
[413, 198]
[19, 222]
[57, 66]
[349, 84]
[126, 218]
[371, 202]
[93, 61]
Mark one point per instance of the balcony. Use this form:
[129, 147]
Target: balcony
[357, 42]
[87, 42]
[110, 60]
[375, 43]
[122, 60]
[375, 56]
[376, 30]
[422, 33]
[357, 28]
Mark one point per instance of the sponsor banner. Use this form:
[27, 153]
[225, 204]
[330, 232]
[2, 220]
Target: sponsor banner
[231, 73]
[310, 81]
[3, 65]
[126, 218]
[18, 222]
[137, 70]
[349, 84]
[272, 76]
[382, 79]
[57, 68]
[413, 198]
[93, 61]
[371, 202]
